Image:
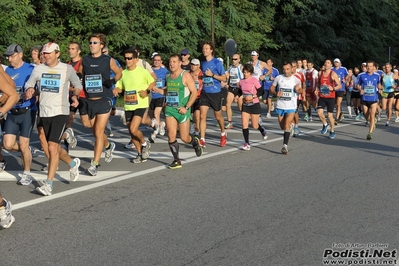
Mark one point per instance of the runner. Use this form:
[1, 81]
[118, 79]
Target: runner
[96, 68]
[250, 89]
[311, 77]
[298, 73]
[211, 96]
[369, 85]
[234, 75]
[267, 83]
[288, 87]
[53, 78]
[387, 94]
[342, 73]
[185, 56]
[197, 75]
[158, 97]
[328, 84]
[356, 97]
[21, 118]
[349, 82]
[35, 54]
[137, 83]
[180, 97]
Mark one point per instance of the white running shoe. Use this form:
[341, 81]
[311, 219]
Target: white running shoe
[162, 128]
[45, 188]
[74, 171]
[72, 141]
[246, 147]
[108, 152]
[26, 179]
[6, 218]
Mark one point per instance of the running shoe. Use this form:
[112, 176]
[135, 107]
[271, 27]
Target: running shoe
[123, 118]
[72, 141]
[74, 171]
[202, 143]
[306, 118]
[264, 134]
[229, 126]
[310, 119]
[45, 188]
[223, 140]
[32, 150]
[292, 130]
[268, 115]
[139, 159]
[378, 118]
[369, 136]
[296, 131]
[272, 107]
[341, 117]
[175, 165]
[324, 129]
[192, 128]
[162, 128]
[332, 135]
[3, 165]
[45, 168]
[197, 147]
[397, 120]
[357, 118]
[145, 151]
[362, 116]
[152, 137]
[284, 150]
[26, 179]
[387, 123]
[367, 124]
[108, 152]
[246, 147]
[130, 145]
[6, 218]
[92, 170]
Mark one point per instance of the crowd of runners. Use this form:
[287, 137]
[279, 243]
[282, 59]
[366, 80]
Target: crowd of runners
[173, 101]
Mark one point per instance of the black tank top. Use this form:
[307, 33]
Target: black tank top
[96, 71]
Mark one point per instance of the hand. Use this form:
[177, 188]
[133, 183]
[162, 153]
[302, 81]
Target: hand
[109, 82]
[182, 110]
[116, 94]
[75, 102]
[209, 73]
[279, 93]
[29, 93]
[143, 94]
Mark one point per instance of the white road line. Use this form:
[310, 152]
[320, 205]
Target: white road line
[61, 176]
[125, 176]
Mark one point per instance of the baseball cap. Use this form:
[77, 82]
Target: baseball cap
[185, 51]
[337, 60]
[364, 64]
[195, 61]
[254, 53]
[153, 54]
[220, 59]
[50, 47]
[12, 49]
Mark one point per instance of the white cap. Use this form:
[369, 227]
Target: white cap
[50, 47]
[195, 61]
[337, 60]
[254, 53]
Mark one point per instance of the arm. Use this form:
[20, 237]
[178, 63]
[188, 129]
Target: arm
[117, 70]
[8, 89]
[337, 82]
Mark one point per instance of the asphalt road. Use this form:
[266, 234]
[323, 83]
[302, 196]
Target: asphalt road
[228, 207]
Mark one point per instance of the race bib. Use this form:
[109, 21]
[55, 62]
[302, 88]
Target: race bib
[287, 94]
[159, 83]
[308, 84]
[325, 90]
[94, 83]
[196, 84]
[234, 81]
[208, 81]
[131, 97]
[369, 90]
[50, 83]
[172, 99]
[350, 89]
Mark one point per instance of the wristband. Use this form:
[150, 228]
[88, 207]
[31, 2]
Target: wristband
[148, 91]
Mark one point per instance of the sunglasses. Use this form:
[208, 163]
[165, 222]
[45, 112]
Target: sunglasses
[235, 58]
[183, 54]
[93, 42]
[128, 58]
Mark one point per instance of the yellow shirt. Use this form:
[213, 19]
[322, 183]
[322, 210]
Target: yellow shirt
[132, 82]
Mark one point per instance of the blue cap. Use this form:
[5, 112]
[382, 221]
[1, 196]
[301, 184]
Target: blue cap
[185, 51]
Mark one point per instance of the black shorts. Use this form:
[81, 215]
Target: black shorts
[138, 112]
[82, 107]
[212, 100]
[266, 94]
[159, 102]
[252, 109]
[368, 104]
[54, 127]
[22, 124]
[224, 96]
[356, 95]
[387, 95]
[326, 102]
[98, 107]
[339, 94]
[396, 94]
[195, 106]
[233, 90]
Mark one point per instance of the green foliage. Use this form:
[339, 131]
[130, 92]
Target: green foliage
[353, 30]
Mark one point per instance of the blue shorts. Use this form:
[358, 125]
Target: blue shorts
[282, 112]
[22, 124]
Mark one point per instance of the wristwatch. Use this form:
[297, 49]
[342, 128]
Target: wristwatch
[186, 107]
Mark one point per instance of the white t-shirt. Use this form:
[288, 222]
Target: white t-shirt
[287, 85]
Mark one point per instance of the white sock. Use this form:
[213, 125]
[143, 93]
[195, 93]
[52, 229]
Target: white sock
[119, 112]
